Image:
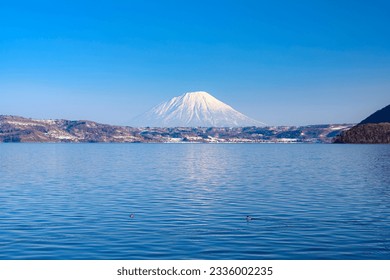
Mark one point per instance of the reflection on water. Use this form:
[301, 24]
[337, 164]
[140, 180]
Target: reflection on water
[73, 201]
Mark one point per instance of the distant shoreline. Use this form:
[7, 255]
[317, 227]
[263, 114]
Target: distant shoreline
[19, 129]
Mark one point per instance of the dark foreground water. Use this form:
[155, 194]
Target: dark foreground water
[74, 201]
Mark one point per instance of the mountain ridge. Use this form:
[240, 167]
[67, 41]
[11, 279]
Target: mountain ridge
[19, 129]
[380, 116]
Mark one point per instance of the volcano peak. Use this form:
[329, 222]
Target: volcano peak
[195, 109]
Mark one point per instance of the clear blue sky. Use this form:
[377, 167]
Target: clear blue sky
[281, 62]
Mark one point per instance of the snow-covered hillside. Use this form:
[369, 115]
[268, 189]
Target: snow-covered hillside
[19, 129]
[194, 109]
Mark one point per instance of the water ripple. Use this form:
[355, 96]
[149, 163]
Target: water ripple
[191, 201]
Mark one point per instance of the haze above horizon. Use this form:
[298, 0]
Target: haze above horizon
[284, 62]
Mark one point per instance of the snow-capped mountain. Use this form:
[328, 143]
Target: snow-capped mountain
[194, 109]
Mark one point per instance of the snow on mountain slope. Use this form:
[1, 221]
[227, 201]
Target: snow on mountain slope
[194, 109]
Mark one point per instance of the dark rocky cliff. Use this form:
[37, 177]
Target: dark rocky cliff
[366, 134]
[375, 129]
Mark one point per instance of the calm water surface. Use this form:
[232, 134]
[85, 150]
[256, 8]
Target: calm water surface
[74, 201]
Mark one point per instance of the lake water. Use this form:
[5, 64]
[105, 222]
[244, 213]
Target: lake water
[190, 201]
